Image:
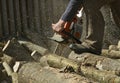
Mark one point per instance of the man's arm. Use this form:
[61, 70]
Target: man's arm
[68, 15]
[71, 10]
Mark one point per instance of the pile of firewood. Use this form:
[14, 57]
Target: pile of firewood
[26, 62]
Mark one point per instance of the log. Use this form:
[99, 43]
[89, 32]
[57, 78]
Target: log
[87, 70]
[111, 53]
[10, 72]
[59, 62]
[101, 76]
[37, 52]
[14, 49]
[113, 47]
[34, 47]
[99, 62]
[34, 73]
[7, 68]
[59, 49]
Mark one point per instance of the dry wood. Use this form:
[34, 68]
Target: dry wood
[100, 76]
[87, 70]
[34, 47]
[14, 78]
[7, 68]
[10, 72]
[36, 56]
[113, 47]
[111, 53]
[33, 73]
[16, 66]
[59, 62]
[14, 49]
[100, 62]
[37, 52]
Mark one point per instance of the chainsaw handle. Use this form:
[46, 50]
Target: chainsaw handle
[68, 24]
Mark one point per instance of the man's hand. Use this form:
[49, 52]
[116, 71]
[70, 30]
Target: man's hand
[59, 26]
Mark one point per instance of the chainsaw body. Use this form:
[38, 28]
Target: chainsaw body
[69, 34]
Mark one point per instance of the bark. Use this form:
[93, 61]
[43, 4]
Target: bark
[7, 68]
[34, 47]
[100, 62]
[111, 53]
[101, 76]
[113, 47]
[10, 72]
[59, 62]
[33, 73]
[14, 49]
[86, 70]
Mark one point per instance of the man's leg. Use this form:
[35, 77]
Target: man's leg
[95, 24]
[95, 28]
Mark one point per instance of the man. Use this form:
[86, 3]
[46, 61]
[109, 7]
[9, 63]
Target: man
[95, 23]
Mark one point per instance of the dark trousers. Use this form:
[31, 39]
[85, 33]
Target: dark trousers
[95, 21]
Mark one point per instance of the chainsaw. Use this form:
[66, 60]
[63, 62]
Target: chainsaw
[68, 34]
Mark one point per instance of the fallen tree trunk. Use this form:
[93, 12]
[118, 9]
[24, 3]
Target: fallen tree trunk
[111, 53]
[100, 62]
[33, 73]
[87, 70]
[9, 71]
[113, 47]
[101, 76]
[33, 47]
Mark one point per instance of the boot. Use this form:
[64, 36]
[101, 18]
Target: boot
[79, 49]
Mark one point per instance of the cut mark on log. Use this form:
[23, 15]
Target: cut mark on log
[6, 45]
[16, 66]
[32, 54]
